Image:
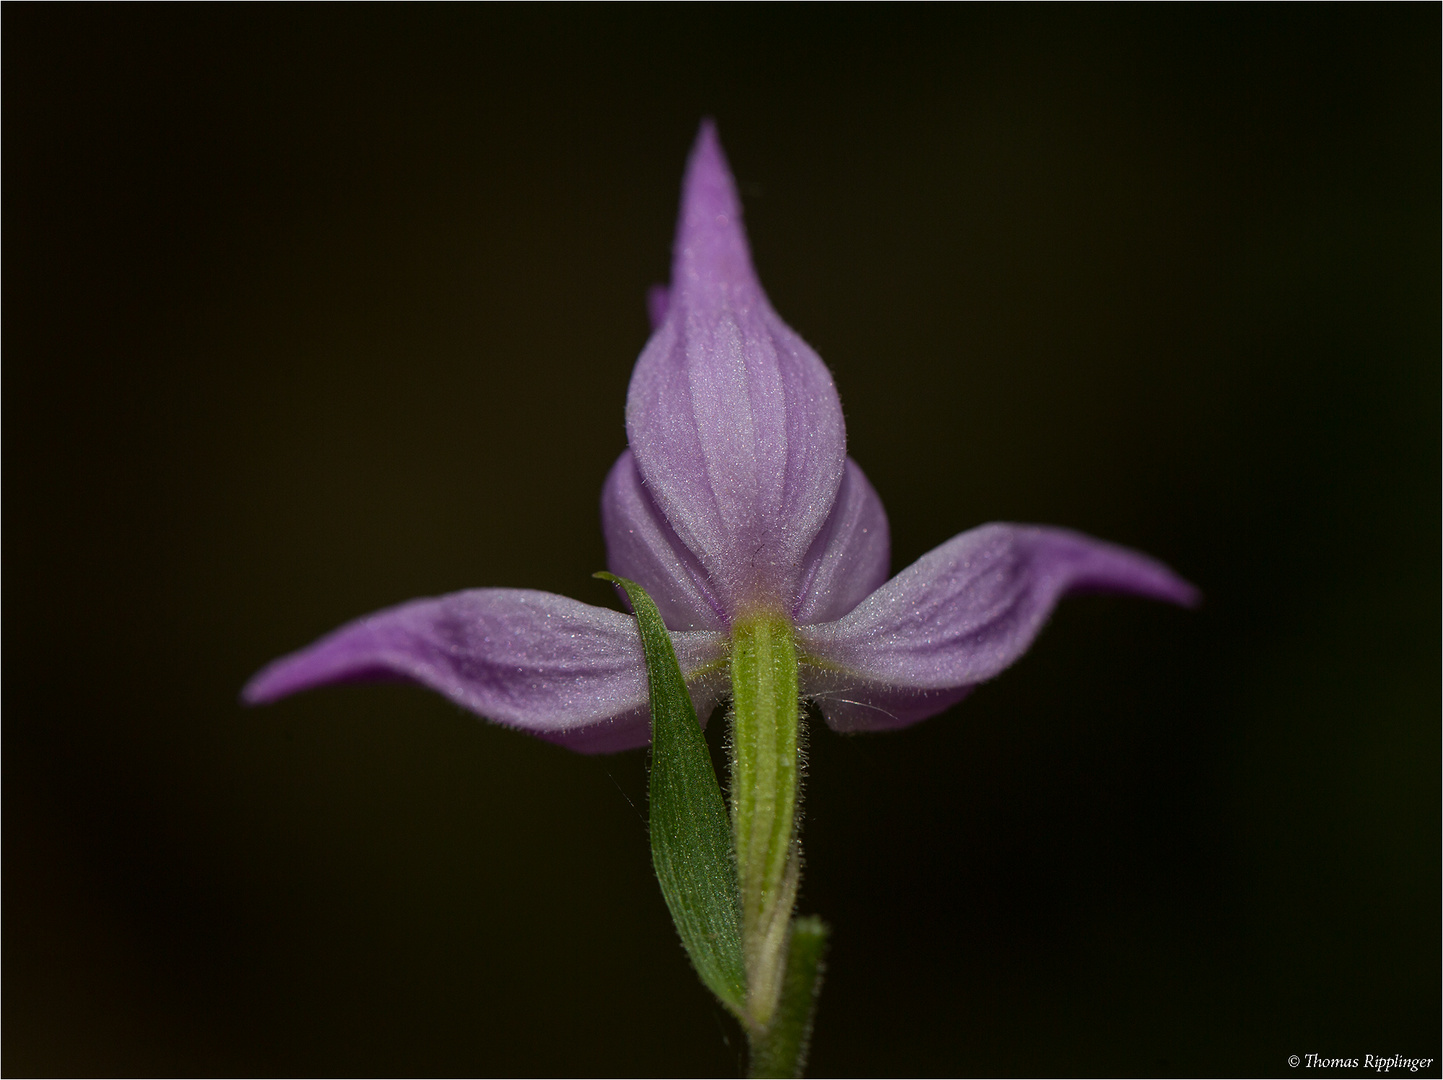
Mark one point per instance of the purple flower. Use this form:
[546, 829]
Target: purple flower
[735, 502]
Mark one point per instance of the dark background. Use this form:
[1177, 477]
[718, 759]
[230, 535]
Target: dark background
[312, 310]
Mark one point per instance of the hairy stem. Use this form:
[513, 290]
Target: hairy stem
[764, 788]
[781, 1050]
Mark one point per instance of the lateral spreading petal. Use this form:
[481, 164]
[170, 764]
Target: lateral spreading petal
[549, 665]
[958, 616]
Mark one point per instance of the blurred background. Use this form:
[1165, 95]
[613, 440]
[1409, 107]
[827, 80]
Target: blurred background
[310, 310]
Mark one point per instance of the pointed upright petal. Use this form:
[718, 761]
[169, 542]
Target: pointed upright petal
[642, 547]
[961, 614]
[711, 259]
[734, 420]
[850, 557]
[557, 668]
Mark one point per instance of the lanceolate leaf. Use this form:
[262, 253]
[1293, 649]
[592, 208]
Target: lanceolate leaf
[691, 845]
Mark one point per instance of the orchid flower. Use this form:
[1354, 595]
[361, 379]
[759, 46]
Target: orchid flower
[766, 551]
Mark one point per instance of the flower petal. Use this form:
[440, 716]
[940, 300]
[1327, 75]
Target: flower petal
[961, 614]
[851, 704]
[734, 420]
[658, 299]
[557, 668]
[850, 557]
[640, 545]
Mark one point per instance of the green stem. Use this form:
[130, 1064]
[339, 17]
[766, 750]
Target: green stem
[781, 1050]
[765, 768]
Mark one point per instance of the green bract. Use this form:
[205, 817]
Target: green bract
[690, 840]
